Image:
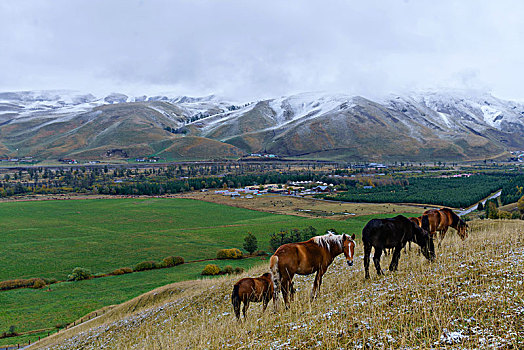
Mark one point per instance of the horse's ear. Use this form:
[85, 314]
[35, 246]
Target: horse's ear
[344, 237]
[353, 236]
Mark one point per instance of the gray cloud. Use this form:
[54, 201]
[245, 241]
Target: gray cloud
[249, 49]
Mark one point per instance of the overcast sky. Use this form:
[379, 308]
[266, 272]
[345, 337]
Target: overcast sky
[254, 49]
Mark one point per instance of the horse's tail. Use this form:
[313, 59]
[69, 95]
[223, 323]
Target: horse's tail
[235, 299]
[275, 275]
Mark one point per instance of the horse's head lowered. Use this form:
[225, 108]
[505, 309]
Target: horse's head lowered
[424, 239]
[462, 229]
[349, 248]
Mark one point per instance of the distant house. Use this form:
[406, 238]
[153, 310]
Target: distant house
[322, 188]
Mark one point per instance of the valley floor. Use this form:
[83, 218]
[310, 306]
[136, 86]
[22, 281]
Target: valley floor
[307, 206]
[472, 297]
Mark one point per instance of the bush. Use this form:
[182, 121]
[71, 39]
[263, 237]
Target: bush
[39, 283]
[504, 214]
[232, 253]
[238, 270]
[250, 243]
[172, 261]
[20, 283]
[228, 269]
[79, 274]
[260, 253]
[145, 265]
[211, 270]
[121, 271]
[50, 280]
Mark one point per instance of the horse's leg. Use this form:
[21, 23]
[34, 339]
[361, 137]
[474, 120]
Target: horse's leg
[394, 260]
[286, 283]
[316, 284]
[442, 234]
[367, 252]
[264, 303]
[246, 305]
[376, 260]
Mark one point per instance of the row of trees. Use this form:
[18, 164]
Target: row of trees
[453, 192]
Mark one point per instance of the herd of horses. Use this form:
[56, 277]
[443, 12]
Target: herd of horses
[316, 254]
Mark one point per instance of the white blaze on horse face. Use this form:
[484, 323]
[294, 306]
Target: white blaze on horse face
[349, 251]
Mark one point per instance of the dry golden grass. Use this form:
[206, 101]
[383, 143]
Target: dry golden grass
[306, 207]
[470, 298]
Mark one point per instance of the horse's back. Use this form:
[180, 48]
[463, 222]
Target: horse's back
[246, 287]
[302, 258]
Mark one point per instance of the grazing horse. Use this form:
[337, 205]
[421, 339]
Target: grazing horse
[259, 289]
[305, 258]
[393, 233]
[441, 219]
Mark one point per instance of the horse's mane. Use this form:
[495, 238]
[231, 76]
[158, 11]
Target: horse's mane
[327, 240]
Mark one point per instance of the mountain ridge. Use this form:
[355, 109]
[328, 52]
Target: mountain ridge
[424, 126]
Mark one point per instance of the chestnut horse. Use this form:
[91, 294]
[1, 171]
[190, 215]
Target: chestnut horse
[259, 289]
[441, 219]
[305, 258]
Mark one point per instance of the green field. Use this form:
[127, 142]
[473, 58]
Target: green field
[50, 238]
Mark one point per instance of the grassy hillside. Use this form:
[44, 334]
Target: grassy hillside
[50, 238]
[192, 147]
[471, 297]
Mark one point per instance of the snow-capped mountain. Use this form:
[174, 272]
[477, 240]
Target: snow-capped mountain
[427, 126]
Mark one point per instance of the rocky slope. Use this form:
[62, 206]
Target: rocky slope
[453, 125]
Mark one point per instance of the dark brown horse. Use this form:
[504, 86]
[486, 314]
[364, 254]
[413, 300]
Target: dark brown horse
[259, 289]
[393, 233]
[305, 258]
[441, 219]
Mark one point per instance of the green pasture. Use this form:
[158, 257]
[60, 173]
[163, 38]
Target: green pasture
[50, 238]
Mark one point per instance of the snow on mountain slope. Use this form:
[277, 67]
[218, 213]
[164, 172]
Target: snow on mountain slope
[442, 122]
[458, 109]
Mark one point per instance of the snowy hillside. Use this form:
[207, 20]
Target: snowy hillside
[418, 126]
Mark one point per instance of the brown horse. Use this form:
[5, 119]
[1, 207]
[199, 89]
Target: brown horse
[305, 258]
[259, 289]
[441, 219]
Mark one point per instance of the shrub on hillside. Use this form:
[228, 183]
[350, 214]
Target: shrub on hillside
[79, 273]
[121, 271]
[145, 265]
[250, 243]
[20, 283]
[50, 280]
[211, 270]
[260, 253]
[232, 253]
[39, 283]
[228, 270]
[172, 261]
[238, 270]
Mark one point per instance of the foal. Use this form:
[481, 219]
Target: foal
[252, 289]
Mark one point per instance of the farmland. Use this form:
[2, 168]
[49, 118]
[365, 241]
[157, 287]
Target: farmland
[50, 238]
